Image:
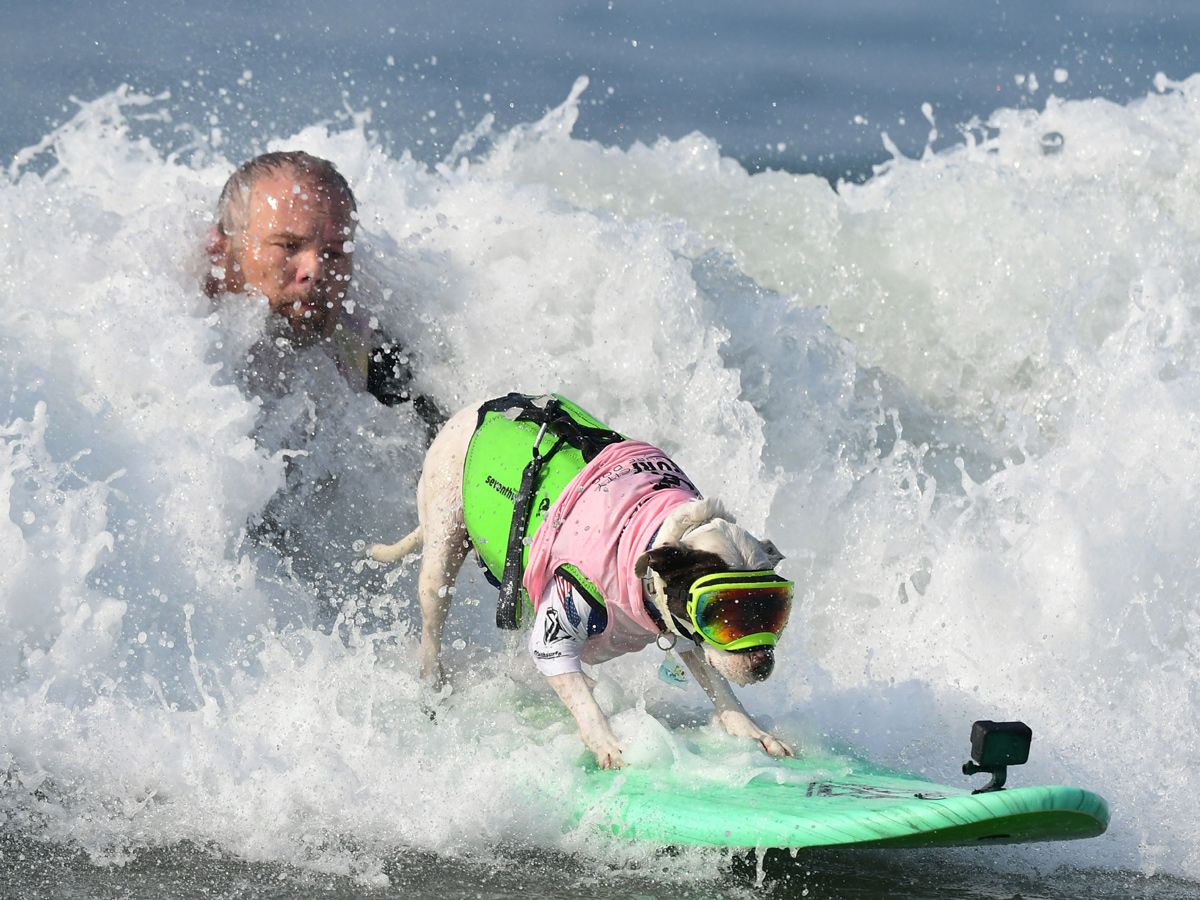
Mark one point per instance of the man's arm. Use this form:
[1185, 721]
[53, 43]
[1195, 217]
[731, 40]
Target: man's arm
[389, 379]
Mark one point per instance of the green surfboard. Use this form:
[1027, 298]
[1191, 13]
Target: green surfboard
[831, 802]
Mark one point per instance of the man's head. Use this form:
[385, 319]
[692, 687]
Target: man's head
[285, 229]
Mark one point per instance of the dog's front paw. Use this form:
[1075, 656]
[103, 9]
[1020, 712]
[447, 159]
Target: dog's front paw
[739, 724]
[610, 760]
[772, 746]
[607, 751]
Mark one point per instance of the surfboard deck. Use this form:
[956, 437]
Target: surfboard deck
[831, 802]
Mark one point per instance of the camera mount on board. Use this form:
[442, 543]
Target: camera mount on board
[994, 747]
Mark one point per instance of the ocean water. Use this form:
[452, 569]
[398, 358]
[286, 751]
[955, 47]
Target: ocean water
[778, 84]
[959, 387]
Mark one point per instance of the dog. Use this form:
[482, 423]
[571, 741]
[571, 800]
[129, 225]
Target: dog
[643, 540]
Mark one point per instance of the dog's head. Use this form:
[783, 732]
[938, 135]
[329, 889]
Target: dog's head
[699, 538]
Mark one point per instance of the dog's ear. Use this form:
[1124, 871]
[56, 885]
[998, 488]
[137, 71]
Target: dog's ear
[678, 563]
[772, 552]
[663, 560]
[678, 566]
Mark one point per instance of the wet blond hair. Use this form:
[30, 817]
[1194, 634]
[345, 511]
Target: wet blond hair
[233, 206]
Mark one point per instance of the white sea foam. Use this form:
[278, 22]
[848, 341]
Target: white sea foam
[962, 398]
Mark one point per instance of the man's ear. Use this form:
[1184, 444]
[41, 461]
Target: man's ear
[217, 246]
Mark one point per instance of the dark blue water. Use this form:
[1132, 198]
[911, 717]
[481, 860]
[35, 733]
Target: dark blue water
[800, 86]
[35, 873]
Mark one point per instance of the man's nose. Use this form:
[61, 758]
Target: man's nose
[310, 267]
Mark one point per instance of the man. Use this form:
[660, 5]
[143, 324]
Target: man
[285, 230]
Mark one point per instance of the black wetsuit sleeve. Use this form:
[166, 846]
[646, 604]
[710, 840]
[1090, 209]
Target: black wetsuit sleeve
[389, 380]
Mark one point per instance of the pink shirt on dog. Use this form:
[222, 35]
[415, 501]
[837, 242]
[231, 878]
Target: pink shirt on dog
[602, 522]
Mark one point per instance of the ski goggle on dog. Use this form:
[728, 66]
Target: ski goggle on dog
[736, 610]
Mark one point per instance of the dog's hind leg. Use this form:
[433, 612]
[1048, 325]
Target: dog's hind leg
[440, 511]
[442, 531]
[444, 556]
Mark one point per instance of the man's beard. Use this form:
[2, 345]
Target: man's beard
[309, 317]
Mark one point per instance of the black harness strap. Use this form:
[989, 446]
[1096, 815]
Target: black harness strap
[547, 413]
[508, 605]
[546, 409]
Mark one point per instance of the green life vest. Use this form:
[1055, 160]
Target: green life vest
[499, 453]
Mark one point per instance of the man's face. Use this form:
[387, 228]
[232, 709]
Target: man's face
[294, 251]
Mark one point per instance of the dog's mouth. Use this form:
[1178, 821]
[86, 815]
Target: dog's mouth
[760, 661]
[747, 666]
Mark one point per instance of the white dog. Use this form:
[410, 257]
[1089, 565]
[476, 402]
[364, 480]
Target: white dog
[627, 554]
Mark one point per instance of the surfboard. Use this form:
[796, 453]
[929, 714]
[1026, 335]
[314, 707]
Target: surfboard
[830, 802]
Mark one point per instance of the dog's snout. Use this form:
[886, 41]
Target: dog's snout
[761, 661]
